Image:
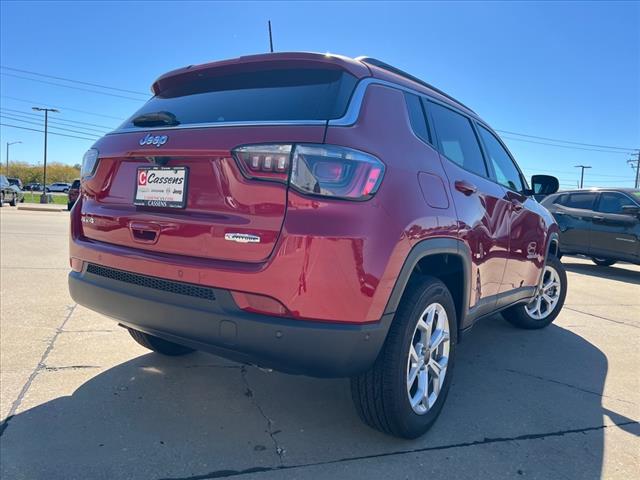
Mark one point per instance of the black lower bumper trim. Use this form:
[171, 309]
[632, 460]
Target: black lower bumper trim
[218, 326]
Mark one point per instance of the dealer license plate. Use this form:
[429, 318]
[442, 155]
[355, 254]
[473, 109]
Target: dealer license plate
[164, 187]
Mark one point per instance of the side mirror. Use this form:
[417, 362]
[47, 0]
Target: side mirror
[543, 185]
[631, 210]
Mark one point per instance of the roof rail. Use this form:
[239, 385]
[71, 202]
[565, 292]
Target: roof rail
[385, 66]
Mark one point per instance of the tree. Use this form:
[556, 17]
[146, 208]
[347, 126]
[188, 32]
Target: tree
[56, 172]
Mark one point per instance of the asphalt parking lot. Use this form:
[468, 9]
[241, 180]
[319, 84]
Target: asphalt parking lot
[80, 399]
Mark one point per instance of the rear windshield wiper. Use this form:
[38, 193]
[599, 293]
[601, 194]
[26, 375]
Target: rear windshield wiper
[156, 119]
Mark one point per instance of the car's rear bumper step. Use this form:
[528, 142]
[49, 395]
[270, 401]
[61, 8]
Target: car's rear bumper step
[217, 325]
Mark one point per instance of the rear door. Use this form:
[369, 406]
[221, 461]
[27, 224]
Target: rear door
[168, 182]
[574, 216]
[527, 233]
[483, 213]
[615, 234]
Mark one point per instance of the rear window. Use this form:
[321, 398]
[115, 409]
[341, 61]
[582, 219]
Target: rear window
[612, 202]
[457, 139]
[580, 200]
[417, 117]
[560, 199]
[291, 94]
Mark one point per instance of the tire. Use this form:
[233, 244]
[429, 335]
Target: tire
[69, 206]
[525, 316]
[603, 262]
[1, 199]
[159, 345]
[381, 395]
[14, 201]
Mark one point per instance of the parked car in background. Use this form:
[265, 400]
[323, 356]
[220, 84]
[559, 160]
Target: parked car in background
[9, 193]
[58, 187]
[33, 187]
[602, 223]
[74, 192]
[15, 181]
[227, 239]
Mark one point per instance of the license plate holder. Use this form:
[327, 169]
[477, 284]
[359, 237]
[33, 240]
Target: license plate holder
[161, 187]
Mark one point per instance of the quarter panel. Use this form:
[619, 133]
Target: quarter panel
[383, 129]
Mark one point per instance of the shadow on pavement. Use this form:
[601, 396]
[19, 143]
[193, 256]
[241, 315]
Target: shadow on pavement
[200, 417]
[615, 272]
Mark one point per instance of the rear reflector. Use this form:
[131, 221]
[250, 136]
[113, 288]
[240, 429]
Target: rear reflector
[76, 264]
[323, 170]
[250, 302]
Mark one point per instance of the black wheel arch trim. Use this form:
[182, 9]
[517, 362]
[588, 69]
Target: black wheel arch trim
[554, 239]
[427, 248]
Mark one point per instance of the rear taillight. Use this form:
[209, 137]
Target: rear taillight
[268, 162]
[89, 163]
[323, 170]
[333, 171]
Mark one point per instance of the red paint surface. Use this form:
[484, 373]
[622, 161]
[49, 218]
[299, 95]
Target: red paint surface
[322, 259]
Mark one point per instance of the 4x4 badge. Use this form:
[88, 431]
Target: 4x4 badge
[157, 140]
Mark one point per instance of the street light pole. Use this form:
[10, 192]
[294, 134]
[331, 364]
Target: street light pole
[582, 173]
[636, 160]
[8, 144]
[43, 197]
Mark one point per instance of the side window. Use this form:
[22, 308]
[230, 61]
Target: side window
[457, 140]
[560, 199]
[417, 117]
[507, 173]
[581, 200]
[611, 202]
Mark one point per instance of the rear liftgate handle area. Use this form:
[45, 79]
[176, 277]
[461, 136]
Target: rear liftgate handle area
[144, 232]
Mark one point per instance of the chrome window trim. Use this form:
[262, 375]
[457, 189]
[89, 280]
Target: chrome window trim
[353, 110]
[256, 123]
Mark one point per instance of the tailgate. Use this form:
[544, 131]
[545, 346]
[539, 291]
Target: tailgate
[196, 118]
[222, 208]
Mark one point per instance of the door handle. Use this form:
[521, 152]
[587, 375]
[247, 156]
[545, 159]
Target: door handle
[465, 187]
[597, 217]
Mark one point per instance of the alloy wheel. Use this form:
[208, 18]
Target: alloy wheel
[428, 358]
[547, 296]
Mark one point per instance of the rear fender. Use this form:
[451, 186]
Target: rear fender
[426, 248]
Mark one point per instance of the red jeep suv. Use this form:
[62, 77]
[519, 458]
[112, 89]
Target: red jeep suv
[314, 214]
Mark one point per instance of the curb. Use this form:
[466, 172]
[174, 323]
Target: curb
[42, 208]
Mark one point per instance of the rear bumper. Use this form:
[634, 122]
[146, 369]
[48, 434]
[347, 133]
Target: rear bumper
[208, 319]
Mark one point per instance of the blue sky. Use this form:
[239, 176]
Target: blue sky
[561, 70]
